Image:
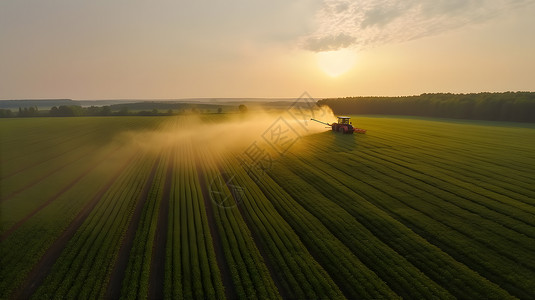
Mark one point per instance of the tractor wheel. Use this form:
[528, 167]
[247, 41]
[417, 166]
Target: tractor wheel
[342, 129]
[334, 127]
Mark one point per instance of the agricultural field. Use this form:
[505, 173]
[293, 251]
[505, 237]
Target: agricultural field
[208, 207]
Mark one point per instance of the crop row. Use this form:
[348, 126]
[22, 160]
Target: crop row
[428, 167]
[474, 146]
[191, 270]
[496, 183]
[363, 230]
[34, 143]
[300, 276]
[65, 163]
[458, 238]
[136, 280]
[39, 143]
[354, 278]
[345, 191]
[251, 278]
[23, 248]
[32, 225]
[36, 197]
[444, 187]
[495, 209]
[81, 270]
[447, 191]
[69, 152]
[400, 200]
[468, 167]
[406, 211]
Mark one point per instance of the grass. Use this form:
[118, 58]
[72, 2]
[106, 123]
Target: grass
[416, 208]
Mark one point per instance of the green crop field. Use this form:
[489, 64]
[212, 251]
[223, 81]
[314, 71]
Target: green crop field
[166, 207]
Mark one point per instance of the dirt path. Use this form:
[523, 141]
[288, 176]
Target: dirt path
[39, 272]
[157, 267]
[224, 269]
[113, 290]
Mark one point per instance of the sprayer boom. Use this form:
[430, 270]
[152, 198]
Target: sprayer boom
[321, 122]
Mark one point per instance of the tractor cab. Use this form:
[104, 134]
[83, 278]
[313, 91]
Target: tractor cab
[344, 120]
[343, 126]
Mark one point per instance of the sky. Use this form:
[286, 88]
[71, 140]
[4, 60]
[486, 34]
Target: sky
[170, 49]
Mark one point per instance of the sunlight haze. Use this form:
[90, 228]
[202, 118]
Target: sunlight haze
[336, 63]
[179, 49]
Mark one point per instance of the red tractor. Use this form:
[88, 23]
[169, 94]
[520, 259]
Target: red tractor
[343, 126]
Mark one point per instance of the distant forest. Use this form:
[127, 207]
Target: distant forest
[70, 108]
[127, 109]
[508, 106]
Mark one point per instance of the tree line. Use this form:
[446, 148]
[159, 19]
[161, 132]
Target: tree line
[507, 106]
[32, 111]
[78, 111]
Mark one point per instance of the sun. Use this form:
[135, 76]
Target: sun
[336, 63]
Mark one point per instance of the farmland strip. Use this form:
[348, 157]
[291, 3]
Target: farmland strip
[248, 268]
[157, 269]
[434, 231]
[394, 269]
[87, 260]
[204, 280]
[419, 139]
[173, 283]
[459, 208]
[354, 278]
[39, 179]
[117, 276]
[404, 162]
[42, 268]
[433, 261]
[304, 277]
[520, 224]
[500, 184]
[52, 198]
[137, 274]
[492, 211]
[51, 143]
[458, 162]
[230, 291]
[276, 278]
[61, 154]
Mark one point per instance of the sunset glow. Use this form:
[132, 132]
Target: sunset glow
[113, 50]
[336, 63]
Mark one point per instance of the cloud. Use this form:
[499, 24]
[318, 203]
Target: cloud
[329, 42]
[369, 23]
